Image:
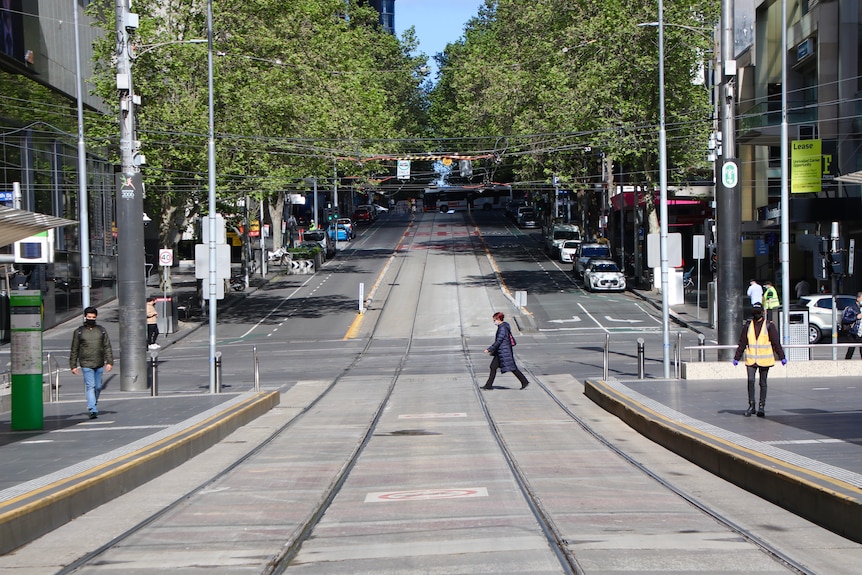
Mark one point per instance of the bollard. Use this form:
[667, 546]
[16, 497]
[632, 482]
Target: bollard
[701, 339]
[218, 372]
[606, 354]
[640, 358]
[154, 373]
[677, 356]
[256, 370]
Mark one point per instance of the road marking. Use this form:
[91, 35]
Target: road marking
[609, 318]
[425, 494]
[574, 318]
[430, 415]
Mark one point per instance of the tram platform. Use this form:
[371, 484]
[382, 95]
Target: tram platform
[804, 455]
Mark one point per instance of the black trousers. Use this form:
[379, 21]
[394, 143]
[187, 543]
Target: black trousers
[495, 365]
[752, 371]
[853, 338]
[152, 333]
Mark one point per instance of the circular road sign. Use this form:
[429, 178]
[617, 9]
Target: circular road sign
[166, 257]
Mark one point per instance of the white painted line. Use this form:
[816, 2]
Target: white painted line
[35, 441]
[85, 427]
[430, 415]
[425, 494]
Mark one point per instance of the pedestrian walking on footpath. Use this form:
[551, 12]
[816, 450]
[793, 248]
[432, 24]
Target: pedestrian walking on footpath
[760, 342]
[770, 296]
[851, 321]
[503, 354]
[755, 292]
[91, 350]
[152, 324]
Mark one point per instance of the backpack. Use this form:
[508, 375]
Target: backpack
[848, 318]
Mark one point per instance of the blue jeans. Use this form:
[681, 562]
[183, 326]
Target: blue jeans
[93, 387]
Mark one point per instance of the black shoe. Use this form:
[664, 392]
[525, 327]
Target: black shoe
[761, 413]
[487, 387]
[93, 415]
[525, 385]
[750, 411]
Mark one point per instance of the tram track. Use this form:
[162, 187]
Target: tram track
[555, 535]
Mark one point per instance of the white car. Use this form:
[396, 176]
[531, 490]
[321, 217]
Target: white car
[603, 275]
[819, 308]
[569, 250]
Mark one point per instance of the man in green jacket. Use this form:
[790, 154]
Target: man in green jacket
[770, 296]
[91, 350]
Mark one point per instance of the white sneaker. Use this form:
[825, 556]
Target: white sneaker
[153, 346]
[156, 346]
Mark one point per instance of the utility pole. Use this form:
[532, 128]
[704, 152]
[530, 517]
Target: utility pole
[728, 198]
[130, 223]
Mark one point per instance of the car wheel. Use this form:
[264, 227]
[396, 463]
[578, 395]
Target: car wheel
[814, 333]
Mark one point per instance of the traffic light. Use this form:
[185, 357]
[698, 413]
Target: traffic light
[836, 263]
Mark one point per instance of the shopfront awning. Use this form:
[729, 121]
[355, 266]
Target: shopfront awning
[18, 224]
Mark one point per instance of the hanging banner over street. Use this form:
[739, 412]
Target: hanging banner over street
[806, 166]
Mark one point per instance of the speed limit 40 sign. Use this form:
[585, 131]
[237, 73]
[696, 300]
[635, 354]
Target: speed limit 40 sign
[166, 257]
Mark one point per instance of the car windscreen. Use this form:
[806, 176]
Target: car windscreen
[606, 268]
[314, 236]
[567, 235]
[593, 252]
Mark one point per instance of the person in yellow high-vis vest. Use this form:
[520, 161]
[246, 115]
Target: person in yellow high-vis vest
[760, 342]
[770, 296]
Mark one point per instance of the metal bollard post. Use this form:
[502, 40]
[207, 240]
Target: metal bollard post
[256, 371]
[606, 356]
[640, 358]
[154, 373]
[677, 356]
[701, 339]
[218, 372]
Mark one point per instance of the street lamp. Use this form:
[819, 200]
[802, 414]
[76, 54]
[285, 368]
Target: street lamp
[662, 154]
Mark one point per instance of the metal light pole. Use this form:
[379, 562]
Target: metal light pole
[662, 143]
[213, 257]
[83, 207]
[784, 255]
[728, 201]
[130, 223]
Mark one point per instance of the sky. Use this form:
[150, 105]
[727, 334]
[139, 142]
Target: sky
[437, 22]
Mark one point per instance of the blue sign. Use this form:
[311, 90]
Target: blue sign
[7, 198]
[761, 247]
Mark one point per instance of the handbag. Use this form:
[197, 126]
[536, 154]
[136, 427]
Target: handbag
[512, 341]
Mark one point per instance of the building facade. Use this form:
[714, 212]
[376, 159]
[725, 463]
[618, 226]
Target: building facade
[38, 143]
[824, 82]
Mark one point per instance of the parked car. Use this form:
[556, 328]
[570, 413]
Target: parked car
[587, 252]
[819, 308]
[320, 239]
[603, 275]
[558, 234]
[569, 251]
[527, 218]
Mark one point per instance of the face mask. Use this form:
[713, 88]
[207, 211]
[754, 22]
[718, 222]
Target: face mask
[89, 322]
[757, 313]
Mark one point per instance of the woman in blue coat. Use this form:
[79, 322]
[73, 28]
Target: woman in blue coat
[501, 350]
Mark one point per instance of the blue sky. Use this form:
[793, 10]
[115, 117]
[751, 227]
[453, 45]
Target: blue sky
[437, 22]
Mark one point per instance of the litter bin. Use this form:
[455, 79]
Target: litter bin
[168, 317]
[797, 332]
